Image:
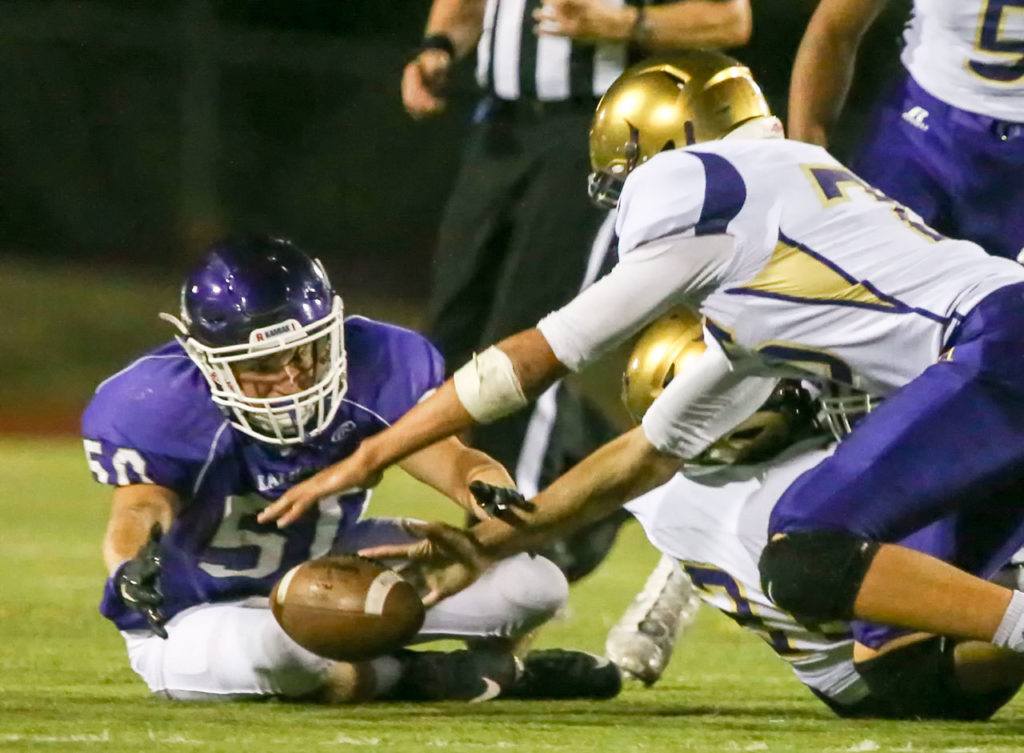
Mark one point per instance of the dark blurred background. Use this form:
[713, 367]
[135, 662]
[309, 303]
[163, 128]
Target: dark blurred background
[131, 133]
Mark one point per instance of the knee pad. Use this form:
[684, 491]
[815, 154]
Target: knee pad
[815, 575]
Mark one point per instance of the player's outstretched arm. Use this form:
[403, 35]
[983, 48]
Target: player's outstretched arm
[496, 383]
[824, 66]
[452, 468]
[623, 469]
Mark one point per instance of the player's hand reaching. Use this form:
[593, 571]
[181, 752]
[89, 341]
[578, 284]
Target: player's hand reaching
[138, 583]
[344, 477]
[448, 558]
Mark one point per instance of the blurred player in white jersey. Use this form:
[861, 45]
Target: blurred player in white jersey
[712, 519]
[947, 138]
[801, 269]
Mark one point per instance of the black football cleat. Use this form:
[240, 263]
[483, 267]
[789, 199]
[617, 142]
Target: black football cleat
[471, 675]
[561, 674]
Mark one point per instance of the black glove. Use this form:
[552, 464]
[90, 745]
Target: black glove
[138, 583]
[499, 501]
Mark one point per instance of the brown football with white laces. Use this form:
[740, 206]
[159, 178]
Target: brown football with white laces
[346, 607]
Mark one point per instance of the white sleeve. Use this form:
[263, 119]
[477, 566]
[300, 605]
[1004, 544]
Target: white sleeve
[645, 283]
[710, 398]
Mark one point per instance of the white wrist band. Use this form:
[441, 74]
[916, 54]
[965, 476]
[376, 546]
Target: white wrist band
[488, 386]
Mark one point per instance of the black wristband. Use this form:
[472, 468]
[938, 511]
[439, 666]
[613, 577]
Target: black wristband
[438, 42]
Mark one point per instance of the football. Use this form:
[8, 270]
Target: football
[346, 607]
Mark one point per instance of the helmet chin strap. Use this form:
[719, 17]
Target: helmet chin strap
[769, 127]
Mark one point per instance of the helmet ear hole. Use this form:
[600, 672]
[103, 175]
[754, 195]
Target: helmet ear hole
[689, 132]
[632, 149]
[669, 376]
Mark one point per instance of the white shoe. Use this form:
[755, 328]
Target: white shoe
[642, 641]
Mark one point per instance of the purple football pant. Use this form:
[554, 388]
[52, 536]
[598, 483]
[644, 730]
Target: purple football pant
[939, 466]
[962, 172]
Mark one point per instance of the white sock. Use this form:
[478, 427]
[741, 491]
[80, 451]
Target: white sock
[1010, 633]
[387, 670]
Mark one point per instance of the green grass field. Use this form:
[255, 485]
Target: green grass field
[65, 683]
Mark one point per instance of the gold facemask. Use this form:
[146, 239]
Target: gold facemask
[666, 103]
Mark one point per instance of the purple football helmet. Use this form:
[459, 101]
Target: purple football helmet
[263, 300]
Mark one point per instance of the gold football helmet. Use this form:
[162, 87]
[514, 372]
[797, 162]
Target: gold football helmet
[665, 349]
[664, 103]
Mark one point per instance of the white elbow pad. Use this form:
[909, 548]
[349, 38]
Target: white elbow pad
[488, 387]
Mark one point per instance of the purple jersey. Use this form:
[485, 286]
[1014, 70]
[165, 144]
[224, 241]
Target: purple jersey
[154, 422]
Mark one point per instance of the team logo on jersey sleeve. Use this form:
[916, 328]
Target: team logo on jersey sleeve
[917, 116]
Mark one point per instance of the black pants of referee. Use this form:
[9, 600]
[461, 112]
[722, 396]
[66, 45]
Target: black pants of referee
[515, 242]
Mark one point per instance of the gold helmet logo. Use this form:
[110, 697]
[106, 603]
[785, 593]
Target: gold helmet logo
[667, 348]
[665, 103]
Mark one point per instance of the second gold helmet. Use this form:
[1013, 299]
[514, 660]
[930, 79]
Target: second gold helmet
[665, 103]
[663, 349]
[667, 348]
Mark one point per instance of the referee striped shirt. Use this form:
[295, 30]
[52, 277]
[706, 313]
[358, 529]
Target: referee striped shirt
[515, 63]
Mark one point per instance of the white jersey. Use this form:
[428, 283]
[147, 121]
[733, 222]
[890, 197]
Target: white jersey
[715, 523]
[970, 54]
[827, 274]
[800, 267]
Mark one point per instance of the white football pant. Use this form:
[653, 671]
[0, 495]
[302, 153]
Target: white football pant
[236, 650]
